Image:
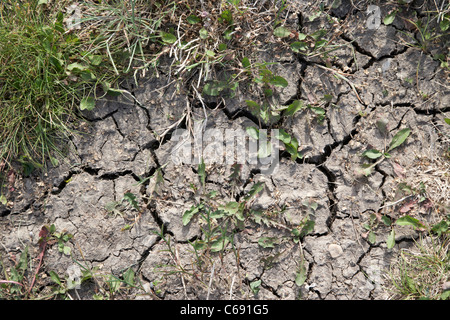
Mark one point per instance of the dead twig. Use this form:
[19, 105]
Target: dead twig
[43, 234]
[340, 75]
[182, 278]
[210, 281]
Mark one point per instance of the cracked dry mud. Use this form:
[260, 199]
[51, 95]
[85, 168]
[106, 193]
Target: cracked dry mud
[121, 144]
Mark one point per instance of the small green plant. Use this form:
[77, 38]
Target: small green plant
[409, 80]
[301, 273]
[177, 267]
[426, 35]
[218, 219]
[440, 229]
[297, 233]
[19, 281]
[109, 286]
[290, 142]
[370, 226]
[255, 286]
[14, 285]
[268, 114]
[410, 197]
[315, 44]
[61, 290]
[282, 7]
[221, 88]
[428, 30]
[266, 83]
[389, 18]
[415, 198]
[379, 155]
[128, 204]
[62, 238]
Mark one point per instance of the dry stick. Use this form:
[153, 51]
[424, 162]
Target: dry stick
[179, 40]
[43, 245]
[110, 56]
[354, 229]
[210, 280]
[181, 274]
[231, 287]
[188, 118]
[204, 108]
[393, 203]
[10, 281]
[41, 256]
[339, 75]
[161, 137]
[183, 63]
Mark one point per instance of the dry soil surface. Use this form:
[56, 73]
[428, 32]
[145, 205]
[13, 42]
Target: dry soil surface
[391, 86]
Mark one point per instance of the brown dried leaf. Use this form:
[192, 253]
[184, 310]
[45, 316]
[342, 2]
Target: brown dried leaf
[408, 206]
[379, 216]
[43, 238]
[399, 170]
[427, 204]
